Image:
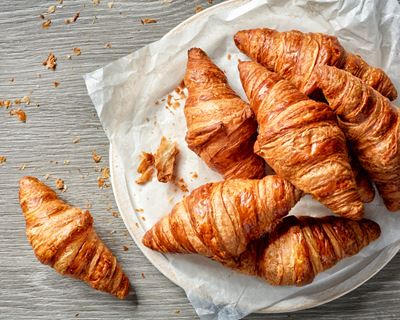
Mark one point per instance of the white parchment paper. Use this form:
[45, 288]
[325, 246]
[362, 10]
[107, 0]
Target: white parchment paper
[128, 96]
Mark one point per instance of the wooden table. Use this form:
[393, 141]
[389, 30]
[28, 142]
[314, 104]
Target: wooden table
[44, 146]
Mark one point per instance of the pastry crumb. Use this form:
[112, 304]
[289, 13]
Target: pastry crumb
[96, 2]
[108, 45]
[110, 5]
[100, 182]
[105, 173]
[139, 210]
[60, 185]
[143, 275]
[76, 140]
[143, 218]
[195, 175]
[114, 214]
[66, 162]
[77, 51]
[145, 168]
[51, 9]
[198, 9]
[148, 20]
[137, 225]
[181, 184]
[22, 167]
[46, 24]
[20, 114]
[50, 62]
[3, 159]
[88, 204]
[177, 311]
[125, 248]
[26, 100]
[56, 84]
[47, 176]
[73, 19]
[165, 159]
[96, 158]
[228, 56]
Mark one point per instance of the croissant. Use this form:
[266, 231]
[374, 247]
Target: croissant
[300, 140]
[221, 126]
[302, 247]
[364, 185]
[219, 219]
[294, 55]
[64, 238]
[371, 124]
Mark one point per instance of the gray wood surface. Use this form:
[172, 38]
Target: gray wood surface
[29, 290]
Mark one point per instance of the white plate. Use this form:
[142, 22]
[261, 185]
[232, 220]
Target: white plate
[343, 283]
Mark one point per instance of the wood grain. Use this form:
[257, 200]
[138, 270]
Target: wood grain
[29, 290]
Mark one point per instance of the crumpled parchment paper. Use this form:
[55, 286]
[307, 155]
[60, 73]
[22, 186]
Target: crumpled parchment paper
[128, 96]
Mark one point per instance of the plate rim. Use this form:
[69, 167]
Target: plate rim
[157, 259]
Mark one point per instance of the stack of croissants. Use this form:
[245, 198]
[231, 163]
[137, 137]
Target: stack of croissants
[318, 115]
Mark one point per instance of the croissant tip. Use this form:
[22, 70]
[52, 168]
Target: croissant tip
[27, 181]
[196, 53]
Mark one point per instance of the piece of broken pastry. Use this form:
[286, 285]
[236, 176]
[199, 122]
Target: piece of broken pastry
[219, 219]
[302, 247]
[221, 127]
[64, 238]
[300, 140]
[294, 55]
[165, 160]
[145, 168]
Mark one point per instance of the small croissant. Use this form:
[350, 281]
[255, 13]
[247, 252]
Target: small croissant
[63, 237]
[371, 124]
[302, 247]
[221, 126]
[218, 220]
[300, 140]
[294, 55]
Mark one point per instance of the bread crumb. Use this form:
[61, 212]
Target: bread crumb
[56, 84]
[20, 114]
[17, 101]
[96, 158]
[96, 2]
[137, 225]
[60, 185]
[143, 275]
[148, 20]
[68, 57]
[125, 248]
[88, 204]
[66, 162]
[165, 159]
[3, 159]
[195, 175]
[100, 182]
[139, 210]
[177, 311]
[22, 167]
[198, 8]
[77, 51]
[110, 5]
[51, 9]
[41, 16]
[46, 24]
[108, 45]
[47, 176]
[76, 140]
[143, 218]
[228, 56]
[50, 62]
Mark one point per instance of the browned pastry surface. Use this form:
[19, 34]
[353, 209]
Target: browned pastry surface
[63, 237]
[302, 247]
[300, 139]
[219, 219]
[371, 124]
[364, 185]
[221, 126]
[294, 55]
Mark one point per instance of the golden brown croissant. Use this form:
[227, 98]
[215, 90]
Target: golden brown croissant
[302, 247]
[364, 185]
[221, 126]
[64, 238]
[294, 55]
[219, 219]
[300, 140]
[371, 124]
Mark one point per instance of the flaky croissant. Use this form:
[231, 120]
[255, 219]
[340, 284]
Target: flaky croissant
[219, 219]
[64, 238]
[364, 185]
[302, 247]
[294, 55]
[221, 126]
[300, 140]
[371, 123]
